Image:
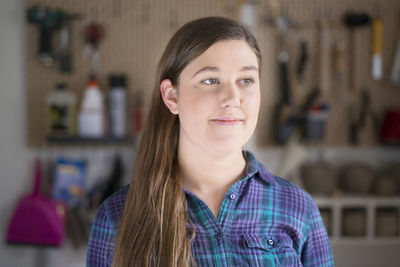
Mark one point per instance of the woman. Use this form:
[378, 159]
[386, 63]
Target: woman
[196, 197]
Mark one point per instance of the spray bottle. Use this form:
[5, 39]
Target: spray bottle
[117, 97]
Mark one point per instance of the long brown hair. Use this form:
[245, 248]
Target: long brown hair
[154, 228]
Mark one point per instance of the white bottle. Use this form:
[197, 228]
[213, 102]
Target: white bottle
[118, 106]
[91, 115]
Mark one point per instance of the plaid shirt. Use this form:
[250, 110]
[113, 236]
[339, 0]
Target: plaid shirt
[263, 221]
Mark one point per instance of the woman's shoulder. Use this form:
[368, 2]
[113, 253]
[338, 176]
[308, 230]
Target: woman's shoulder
[289, 186]
[113, 206]
[295, 195]
[286, 190]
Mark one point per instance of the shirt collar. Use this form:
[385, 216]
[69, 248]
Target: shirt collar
[254, 167]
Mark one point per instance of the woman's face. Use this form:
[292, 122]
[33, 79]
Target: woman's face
[218, 97]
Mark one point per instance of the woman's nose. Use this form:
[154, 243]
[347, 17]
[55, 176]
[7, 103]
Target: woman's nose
[231, 96]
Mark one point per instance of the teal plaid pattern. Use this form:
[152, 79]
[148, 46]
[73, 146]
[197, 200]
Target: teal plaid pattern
[263, 221]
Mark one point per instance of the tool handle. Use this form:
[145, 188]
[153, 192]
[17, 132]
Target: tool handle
[303, 58]
[65, 55]
[352, 79]
[285, 83]
[395, 74]
[324, 68]
[45, 42]
[377, 71]
[340, 48]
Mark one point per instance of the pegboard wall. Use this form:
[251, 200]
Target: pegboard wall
[136, 32]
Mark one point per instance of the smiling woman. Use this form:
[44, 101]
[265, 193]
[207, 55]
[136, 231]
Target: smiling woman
[196, 197]
[212, 97]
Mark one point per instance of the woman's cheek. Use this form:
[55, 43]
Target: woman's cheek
[193, 103]
[254, 100]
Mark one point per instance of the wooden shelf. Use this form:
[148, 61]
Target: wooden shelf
[371, 205]
[85, 141]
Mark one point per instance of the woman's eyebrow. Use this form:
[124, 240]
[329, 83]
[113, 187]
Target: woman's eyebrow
[215, 69]
[207, 68]
[245, 68]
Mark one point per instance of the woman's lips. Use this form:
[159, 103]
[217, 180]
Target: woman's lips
[227, 121]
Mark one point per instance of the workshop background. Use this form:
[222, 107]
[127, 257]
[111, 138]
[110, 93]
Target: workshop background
[329, 121]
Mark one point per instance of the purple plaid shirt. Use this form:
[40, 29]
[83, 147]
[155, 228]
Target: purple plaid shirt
[263, 221]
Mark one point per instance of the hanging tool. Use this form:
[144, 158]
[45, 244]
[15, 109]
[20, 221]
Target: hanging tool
[314, 121]
[324, 57]
[354, 21]
[65, 43]
[294, 153]
[93, 33]
[248, 14]
[284, 124]
[358, 116]
[395, 74]
[65, 55]
[377, 65]
[48, 21]
[339, 69]
[302, 61]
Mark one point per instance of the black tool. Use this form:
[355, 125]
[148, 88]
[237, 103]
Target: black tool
[285, 106]
[48, 21]
[284, 130]
[302, 61]
[358, 116]
[354, 21]
[65, 43]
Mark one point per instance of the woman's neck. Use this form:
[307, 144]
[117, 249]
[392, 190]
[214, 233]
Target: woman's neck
[208, 172]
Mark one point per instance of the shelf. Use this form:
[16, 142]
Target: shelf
[357, 200]
[364, 241]
[87, 140]
[365, 219]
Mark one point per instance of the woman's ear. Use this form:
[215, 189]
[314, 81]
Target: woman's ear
[169, 95]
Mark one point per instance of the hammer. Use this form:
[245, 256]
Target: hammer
[354, 21]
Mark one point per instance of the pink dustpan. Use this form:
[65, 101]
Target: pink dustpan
[35, 220]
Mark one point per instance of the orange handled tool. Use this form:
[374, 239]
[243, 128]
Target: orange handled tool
[377, 71]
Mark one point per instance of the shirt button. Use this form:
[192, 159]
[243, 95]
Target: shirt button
[270, 242]
[232, 196]
[218, 236]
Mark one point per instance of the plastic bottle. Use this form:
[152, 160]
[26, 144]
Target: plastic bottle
[117, 97]
[61, 107]
[91, 115]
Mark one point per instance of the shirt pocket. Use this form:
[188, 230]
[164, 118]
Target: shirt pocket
[271, 250]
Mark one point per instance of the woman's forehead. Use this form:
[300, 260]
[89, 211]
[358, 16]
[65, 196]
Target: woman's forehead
[235, 55]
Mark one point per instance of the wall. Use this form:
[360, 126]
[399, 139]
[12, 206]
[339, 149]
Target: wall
[153, 22]
[15, 161]
[13, 153]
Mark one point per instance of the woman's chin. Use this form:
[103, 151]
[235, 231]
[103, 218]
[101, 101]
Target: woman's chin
[228, 145]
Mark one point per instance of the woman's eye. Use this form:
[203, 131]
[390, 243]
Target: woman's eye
[247, 81]
[210, 81]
